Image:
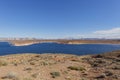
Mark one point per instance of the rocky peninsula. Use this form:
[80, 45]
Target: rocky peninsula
[62, 41]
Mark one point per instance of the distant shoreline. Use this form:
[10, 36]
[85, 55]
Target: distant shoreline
[30, 42]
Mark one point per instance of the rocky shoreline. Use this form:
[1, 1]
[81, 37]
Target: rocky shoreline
[60, 67]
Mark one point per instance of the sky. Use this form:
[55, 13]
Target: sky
[60, 18]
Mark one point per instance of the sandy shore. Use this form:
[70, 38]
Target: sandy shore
[60, 67]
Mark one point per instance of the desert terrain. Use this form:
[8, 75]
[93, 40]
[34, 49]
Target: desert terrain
[60, 67]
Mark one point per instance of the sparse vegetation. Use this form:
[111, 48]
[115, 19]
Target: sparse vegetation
[3, 63]
[28, 69]
[77, 68]
[101, 76]
[11, 75]
[55, 74]
[34, 75]
[27, 79]
[32, 63]
[48, 67]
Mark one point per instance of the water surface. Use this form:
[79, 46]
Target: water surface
[81, 49]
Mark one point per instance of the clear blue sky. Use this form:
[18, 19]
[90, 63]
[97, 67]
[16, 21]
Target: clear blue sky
[57, 18]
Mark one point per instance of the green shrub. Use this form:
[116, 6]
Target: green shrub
[32, 63]
[77, 68]
[11, 75]
[55, 74]
[34, 75]
[3, 63]
[27, 79]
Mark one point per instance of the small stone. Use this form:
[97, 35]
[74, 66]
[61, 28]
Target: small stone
[101, 76]
[97, 56]
[28, 68]
[118, 56]
[108, 73]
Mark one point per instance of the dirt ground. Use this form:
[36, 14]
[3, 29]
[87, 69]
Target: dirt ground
[60, 67]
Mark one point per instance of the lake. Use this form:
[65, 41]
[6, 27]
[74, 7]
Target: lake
[81, 49]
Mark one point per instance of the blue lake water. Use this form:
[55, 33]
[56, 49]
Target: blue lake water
[81, 49]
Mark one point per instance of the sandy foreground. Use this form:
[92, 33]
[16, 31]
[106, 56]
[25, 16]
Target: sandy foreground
[60, 67]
